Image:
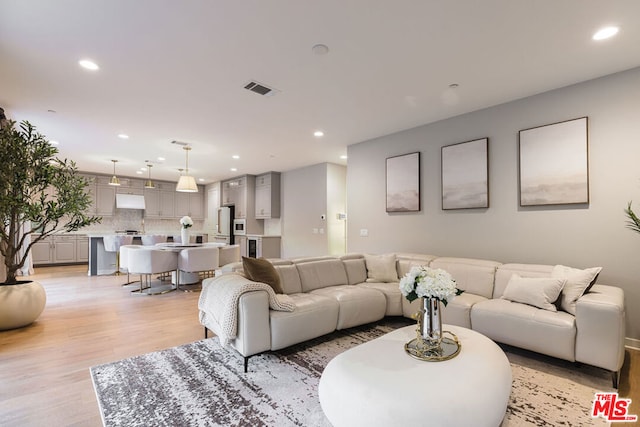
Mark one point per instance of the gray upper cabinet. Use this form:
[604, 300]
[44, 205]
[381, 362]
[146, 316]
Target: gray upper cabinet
[105, 201]
[160, 201]
[268, 195]
[191, 204]
[234, 192]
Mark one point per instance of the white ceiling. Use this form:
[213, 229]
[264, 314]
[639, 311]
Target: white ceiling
[175, 70]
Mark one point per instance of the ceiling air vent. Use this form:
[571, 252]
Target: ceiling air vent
[260, 89]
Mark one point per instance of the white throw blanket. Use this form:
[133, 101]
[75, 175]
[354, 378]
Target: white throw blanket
[220, 298]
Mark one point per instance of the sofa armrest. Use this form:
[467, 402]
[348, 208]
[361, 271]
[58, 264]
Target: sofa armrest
[600, 323]
[254, 330]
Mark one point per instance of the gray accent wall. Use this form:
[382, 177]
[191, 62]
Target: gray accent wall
[576, 235]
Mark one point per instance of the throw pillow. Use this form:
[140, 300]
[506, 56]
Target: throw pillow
[540, 292]
[578, 282]
[261, 270]
[381, 268]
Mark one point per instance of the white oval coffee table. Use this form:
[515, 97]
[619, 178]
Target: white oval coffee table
[378, 384]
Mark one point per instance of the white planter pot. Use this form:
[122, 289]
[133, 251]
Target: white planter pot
[20, 305]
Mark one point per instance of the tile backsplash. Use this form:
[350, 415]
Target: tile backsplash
[132, 219]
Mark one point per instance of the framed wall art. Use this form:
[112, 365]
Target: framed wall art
[465, 175]
[554, 166]
[403, 183]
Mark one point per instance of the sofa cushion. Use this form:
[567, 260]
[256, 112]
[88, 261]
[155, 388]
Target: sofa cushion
[392, 295]
[539, 292]
[321, 273]
[289, 278]
[578, 281]
[458, 310]
[356, 269]
[381, 268]
[314, 316]
[475, 276]
[261, 270]
[407, 260]
[548, 332]
[358, 305]
[505, 271]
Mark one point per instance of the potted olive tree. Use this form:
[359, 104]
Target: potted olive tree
[633, 222]
[39, 195]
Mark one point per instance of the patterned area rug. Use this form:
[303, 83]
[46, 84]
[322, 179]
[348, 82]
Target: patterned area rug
[202, 384]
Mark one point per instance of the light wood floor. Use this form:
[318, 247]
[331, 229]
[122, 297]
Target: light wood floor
[44, 368]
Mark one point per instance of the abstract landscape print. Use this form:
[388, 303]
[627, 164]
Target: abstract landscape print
[554, 164]
[465, 175]
[403, 183]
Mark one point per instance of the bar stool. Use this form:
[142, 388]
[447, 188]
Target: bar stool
[113, 242]
[197, 260]
[149, 261]
[229, 254]
[124, 259]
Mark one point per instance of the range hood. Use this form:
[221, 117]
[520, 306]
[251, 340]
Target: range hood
[129, 201]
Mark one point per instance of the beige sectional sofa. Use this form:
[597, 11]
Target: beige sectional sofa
[333, 293]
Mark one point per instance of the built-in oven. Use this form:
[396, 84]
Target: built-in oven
[239, 227]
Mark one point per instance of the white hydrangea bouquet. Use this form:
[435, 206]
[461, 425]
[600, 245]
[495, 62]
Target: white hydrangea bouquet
[186, 221]
[425, 282]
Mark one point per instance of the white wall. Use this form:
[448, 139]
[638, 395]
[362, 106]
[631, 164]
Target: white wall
[336, 203]
[579, 236]
[309, 193]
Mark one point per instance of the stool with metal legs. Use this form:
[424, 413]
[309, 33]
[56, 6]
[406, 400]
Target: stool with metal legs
[147, 262]
[195, 260]
[124, 260]
[113, 242]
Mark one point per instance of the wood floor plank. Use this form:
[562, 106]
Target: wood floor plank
[44, 368]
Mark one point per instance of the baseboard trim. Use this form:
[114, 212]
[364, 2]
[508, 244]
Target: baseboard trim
[632, 343]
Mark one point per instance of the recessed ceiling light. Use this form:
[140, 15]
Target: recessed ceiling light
[161, 159]
[343, 157]
[123, 136]
[320, 49]
[143, 169]
[605, 33]
[139, 172]
[54, 142]
[235, 156]
[233, 169]
[318, 134]
[201, 179]
[88, 64]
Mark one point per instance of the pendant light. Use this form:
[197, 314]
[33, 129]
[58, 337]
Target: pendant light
[186, 183]
[114, 179]
[149, 183]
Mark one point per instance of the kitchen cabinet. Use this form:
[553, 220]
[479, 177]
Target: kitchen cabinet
[234, 192]
[267, 195]
[64, 249]
[105, 201]
[90, 189]
[191, 204]
[129, 190]
[82, 249]
[160, 201]
[42, 252]
[242, 241]
[61, 249]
